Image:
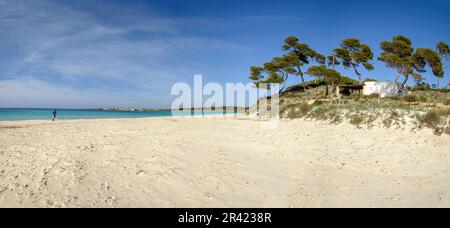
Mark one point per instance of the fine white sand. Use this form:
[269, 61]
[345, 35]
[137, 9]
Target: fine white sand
[197, 162]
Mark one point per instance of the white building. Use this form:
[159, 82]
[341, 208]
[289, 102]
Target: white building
[385, 89]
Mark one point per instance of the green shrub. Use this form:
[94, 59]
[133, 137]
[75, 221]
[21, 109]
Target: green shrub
[422, 87]
[441, 90]
[395, 98]
[335, 117]
[329, 113]
[370, 80]
[436, 120]
[318, 113]
[423, 99]
[357, 119]
[299, 111]
[447, 102]
[285, 108]
[431, 119]
[438, 130]
[393, 117]
[355, 95]
[371, 118]
[347, 80]
[304, 108]
[318, 103]
[375, 95]
[410, 98]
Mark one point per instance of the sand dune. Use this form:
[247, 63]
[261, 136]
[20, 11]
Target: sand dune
[183, 162]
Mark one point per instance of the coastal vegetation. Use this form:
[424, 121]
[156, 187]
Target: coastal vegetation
[398, 54]
[371, 111]
[278, 70]
[352, 54]
[425, 106]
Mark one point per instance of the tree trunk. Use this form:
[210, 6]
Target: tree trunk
[303, 83]
[357, 73]
[282, 89]
[333, 90]
[334, 62]
[397, 78]
[285, 77]
[302, 76]
[438, 82]
[403, 84]
[326, 91]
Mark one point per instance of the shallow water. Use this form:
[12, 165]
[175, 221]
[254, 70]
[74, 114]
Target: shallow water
[44, 114]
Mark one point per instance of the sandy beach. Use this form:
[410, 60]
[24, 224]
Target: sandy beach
[206, 162]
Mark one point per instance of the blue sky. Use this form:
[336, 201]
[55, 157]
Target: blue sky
[88, 54]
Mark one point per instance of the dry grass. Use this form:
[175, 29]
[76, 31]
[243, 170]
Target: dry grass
[424, 108]
[432, 96]
[298, 111]
[436, 119]
[388, 113]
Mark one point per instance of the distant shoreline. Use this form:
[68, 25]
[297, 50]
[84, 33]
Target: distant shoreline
[80, 114]
[170, 110]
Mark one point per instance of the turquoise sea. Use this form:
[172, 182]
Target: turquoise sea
[46, 114]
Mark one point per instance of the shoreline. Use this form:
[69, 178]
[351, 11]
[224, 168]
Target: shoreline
[124, 118]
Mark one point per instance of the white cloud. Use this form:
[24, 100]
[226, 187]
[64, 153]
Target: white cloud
[28, 92]
[60, 52]
[37, 94]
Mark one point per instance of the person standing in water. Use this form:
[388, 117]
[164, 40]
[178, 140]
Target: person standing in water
[54, 115]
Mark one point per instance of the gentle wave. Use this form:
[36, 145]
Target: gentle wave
[44, 114]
